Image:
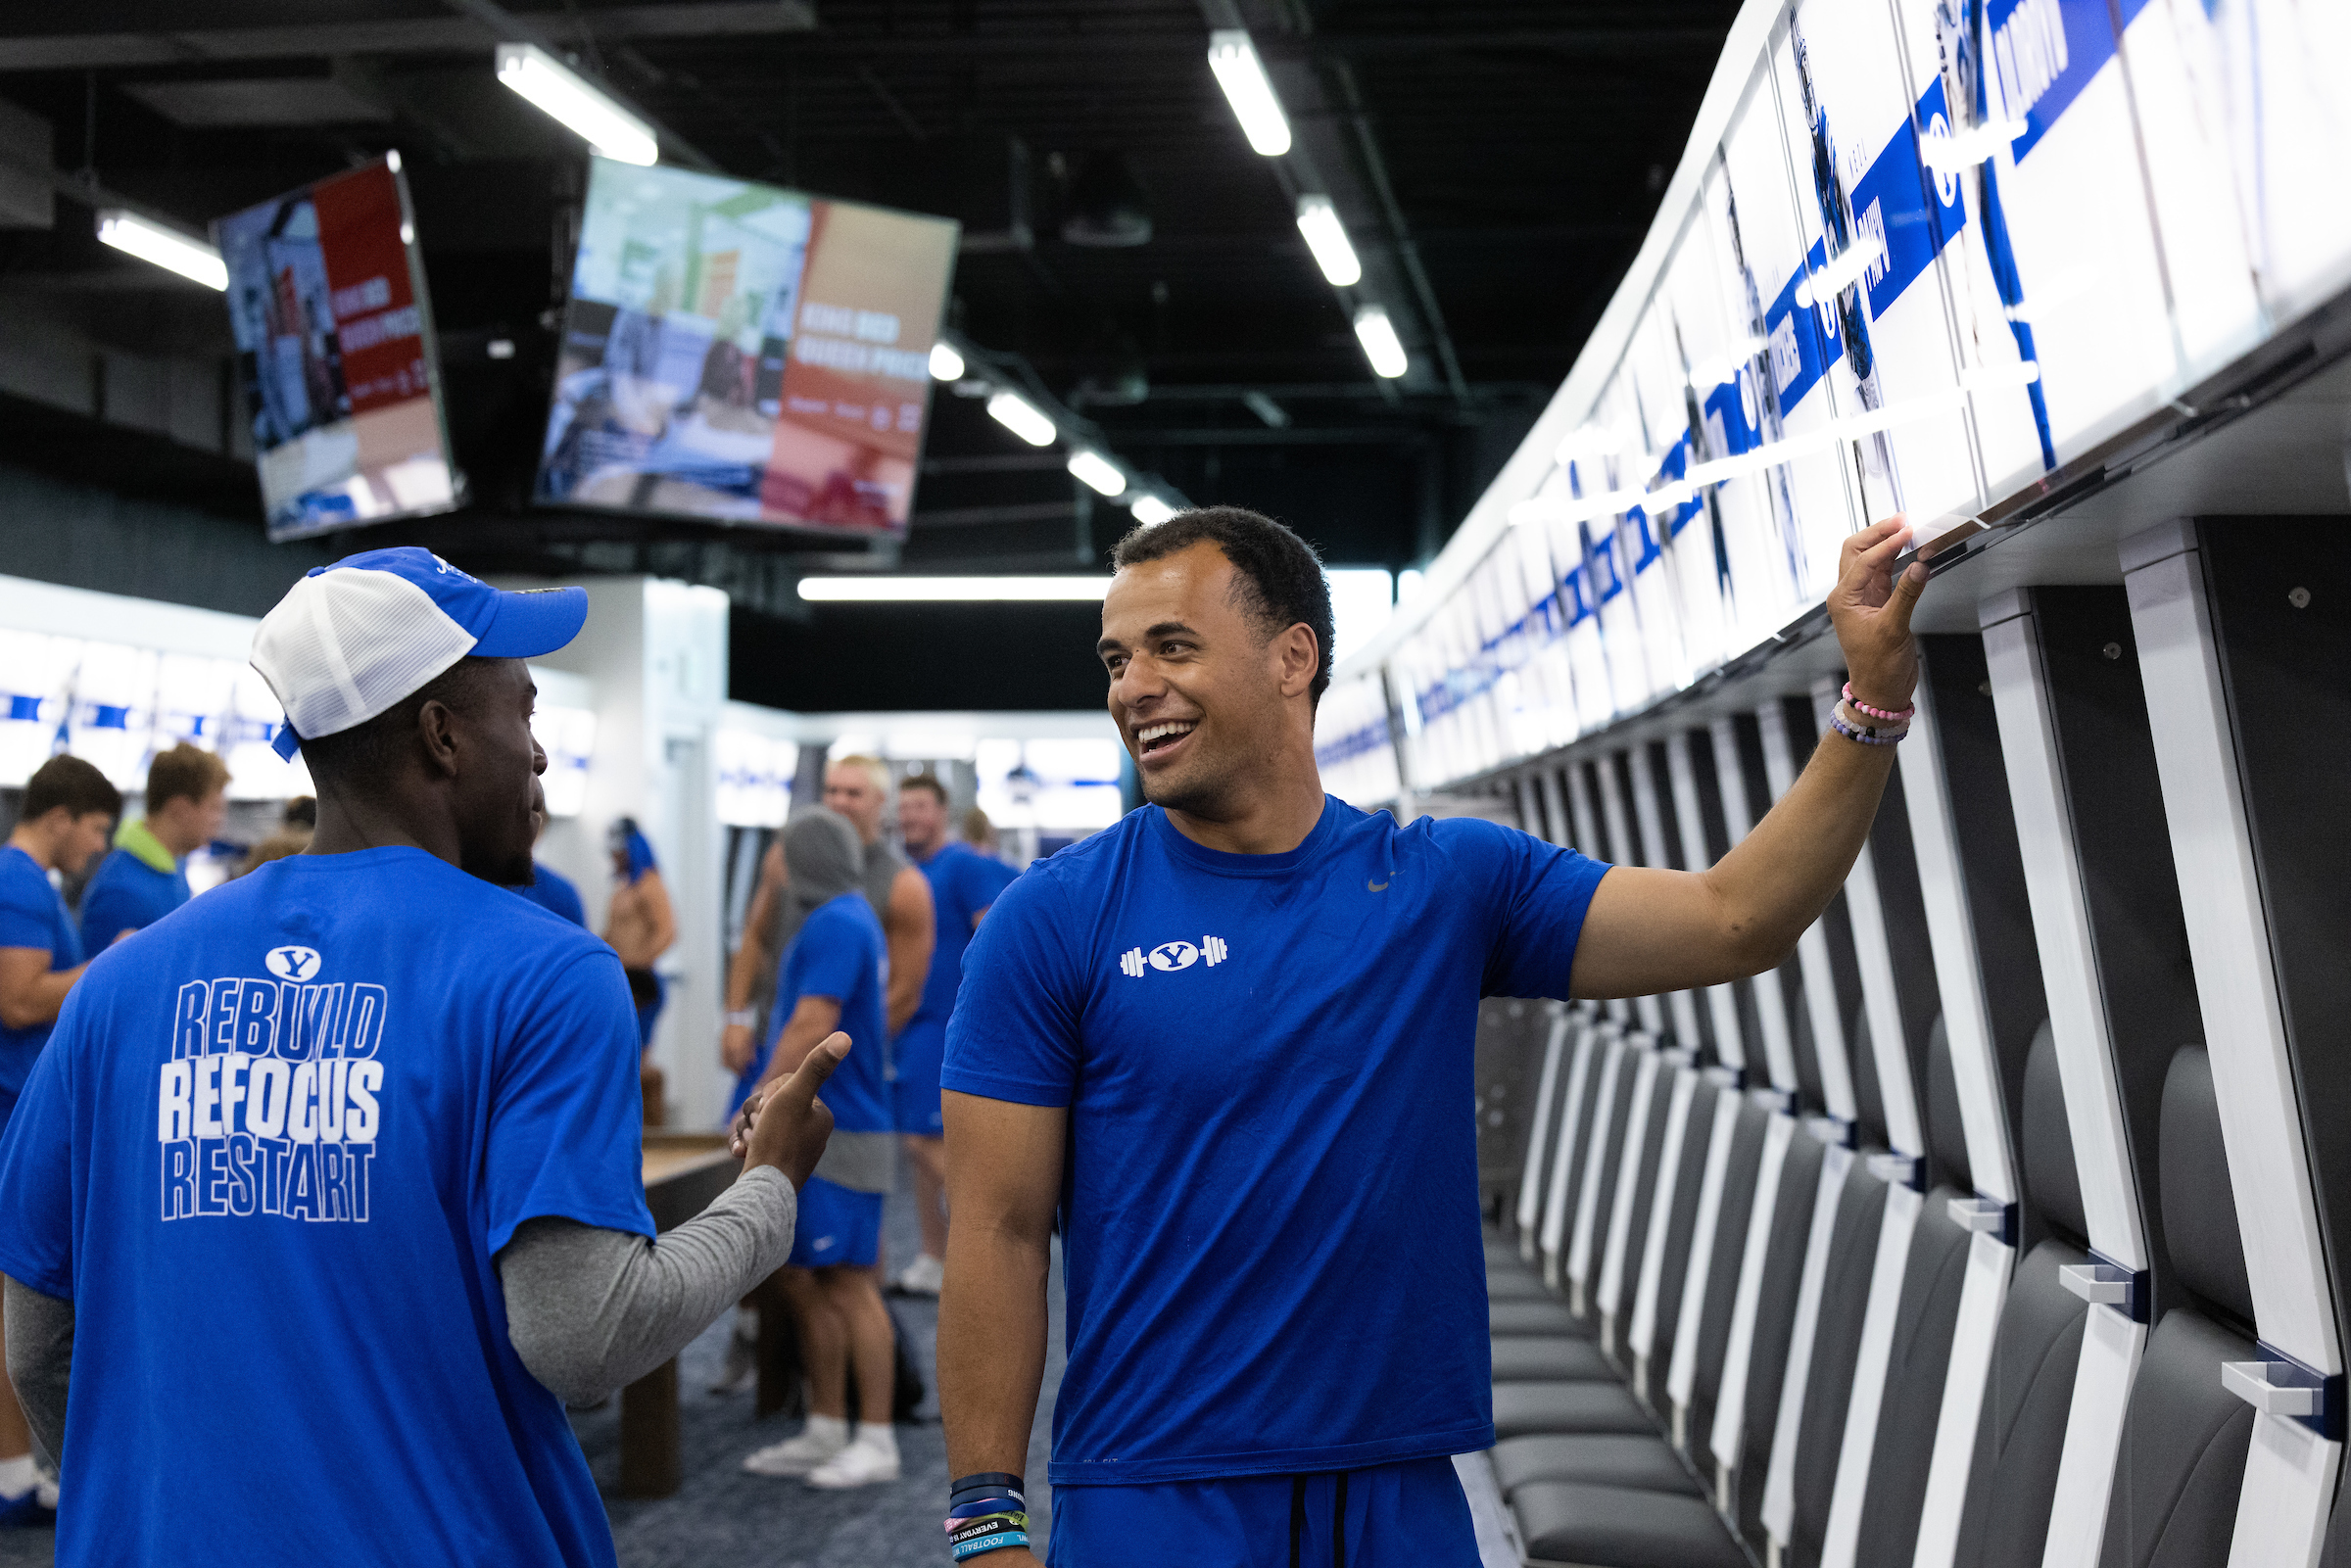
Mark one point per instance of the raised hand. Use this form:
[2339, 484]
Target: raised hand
[1870, 608]
[784, 1124]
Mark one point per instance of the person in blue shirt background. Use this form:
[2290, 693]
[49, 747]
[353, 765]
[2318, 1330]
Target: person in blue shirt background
[1230, 1043]
[146, 876]
[834, 976]
[963, 883]
[67, 807]
[382, 1121]
[549, 888]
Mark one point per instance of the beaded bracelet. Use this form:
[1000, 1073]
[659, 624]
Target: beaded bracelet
[1891, 716]
[1867, 735]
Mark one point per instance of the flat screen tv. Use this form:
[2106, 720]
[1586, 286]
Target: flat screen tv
[335, 352]
[745, 353]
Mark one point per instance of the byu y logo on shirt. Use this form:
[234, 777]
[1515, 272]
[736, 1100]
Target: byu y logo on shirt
[1169, 957]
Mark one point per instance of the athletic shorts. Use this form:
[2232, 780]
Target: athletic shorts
[836, 1226]
[1406, 1515]
[918, 1056]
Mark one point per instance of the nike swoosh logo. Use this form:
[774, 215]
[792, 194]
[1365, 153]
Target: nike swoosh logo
[1377, 887]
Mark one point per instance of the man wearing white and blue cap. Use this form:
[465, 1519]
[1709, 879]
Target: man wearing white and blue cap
[335, 1171]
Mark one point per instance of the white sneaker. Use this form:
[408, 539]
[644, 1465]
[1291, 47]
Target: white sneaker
[860, 1464]
[44, 1492]
[800, 1455]
[922, 1277]
[740, 1374]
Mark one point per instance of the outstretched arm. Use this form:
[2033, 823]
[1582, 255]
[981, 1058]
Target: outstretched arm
[1651, 930]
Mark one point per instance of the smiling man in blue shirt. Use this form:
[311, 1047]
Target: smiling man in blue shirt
[1228, 1041]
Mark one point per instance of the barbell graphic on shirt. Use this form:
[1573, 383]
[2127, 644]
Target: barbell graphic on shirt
[1168, 957]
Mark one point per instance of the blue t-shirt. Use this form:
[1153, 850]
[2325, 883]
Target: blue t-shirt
[269, 1155]
[838, 952]
[552, 891]
[963, 883]
[31, 914]
[1269, 1207]
[128, 895]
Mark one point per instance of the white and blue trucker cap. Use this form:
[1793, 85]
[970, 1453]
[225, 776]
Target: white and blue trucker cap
[352, 640]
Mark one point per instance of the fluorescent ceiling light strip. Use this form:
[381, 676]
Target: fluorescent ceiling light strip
[945, 363]
[1097, 472]
[1377, 334]
[166, 248]
[1327, 237]
[1836, 275]
[1150, 510]
[940, 589]
[1242, 75]
[585, 109]
[1021, 418]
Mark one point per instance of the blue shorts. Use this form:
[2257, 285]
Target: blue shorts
[918, 1056]
[836, 1226]
[1406, 1515]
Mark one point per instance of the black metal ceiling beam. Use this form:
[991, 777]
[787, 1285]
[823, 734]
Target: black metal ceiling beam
[427, 35]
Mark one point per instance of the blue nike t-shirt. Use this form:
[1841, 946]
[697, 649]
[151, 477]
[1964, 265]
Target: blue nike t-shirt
[963, 883]
[1270, 1220]
[271, 1153]
[31, 914]
[838, 952]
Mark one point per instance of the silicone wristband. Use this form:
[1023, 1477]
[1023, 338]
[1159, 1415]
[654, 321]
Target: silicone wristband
[984, 1480]
[991, 1503]
[1892, 716]
[995, 1523]
[973, 1548]
[962, 1522]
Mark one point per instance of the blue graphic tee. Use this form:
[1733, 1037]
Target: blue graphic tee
[839, 953]
[269, 1155]
[128, 895]
[31, 914]
[963, 883]
[553, 892]
[1269, 1210]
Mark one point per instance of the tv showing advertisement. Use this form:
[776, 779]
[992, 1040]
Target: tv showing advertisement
[745, 353]
[335, 351]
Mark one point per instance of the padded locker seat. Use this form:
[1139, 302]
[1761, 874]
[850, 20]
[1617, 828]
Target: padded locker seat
[1521, 1409]
[1594, 1459]
[2181, 1466]
[1575, 1523]
[1549, 1358]
[2028, 1387]
[1548, 1316]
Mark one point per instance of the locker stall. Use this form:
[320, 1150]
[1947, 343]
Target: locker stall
[2004, 1223]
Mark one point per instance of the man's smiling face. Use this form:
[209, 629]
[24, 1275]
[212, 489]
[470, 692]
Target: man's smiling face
[1195, 682]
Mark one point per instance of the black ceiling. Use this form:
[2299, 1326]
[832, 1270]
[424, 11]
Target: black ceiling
[1496, 160]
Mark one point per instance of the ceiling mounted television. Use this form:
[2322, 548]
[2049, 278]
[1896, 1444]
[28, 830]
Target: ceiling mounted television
[745, 354]
[335, 352]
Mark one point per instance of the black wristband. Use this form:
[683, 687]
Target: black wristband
[984, 1481]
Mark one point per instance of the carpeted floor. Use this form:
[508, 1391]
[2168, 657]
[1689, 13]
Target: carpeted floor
[723, 1518]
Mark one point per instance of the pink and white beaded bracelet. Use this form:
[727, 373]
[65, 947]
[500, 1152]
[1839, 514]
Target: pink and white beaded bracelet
[1891, 716]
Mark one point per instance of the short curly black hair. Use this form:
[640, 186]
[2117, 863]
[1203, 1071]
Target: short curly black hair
[1278, 578]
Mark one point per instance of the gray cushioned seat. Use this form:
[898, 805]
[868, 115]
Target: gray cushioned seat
[1502, 1286]
[1550, 1359]
[1549, 1316]
[1567, 1521]
[1592, 1458]
[1524, 1408]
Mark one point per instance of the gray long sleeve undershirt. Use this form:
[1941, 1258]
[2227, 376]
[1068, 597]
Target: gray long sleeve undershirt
[588, 1309]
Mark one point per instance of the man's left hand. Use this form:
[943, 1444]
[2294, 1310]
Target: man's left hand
[1870, 608]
